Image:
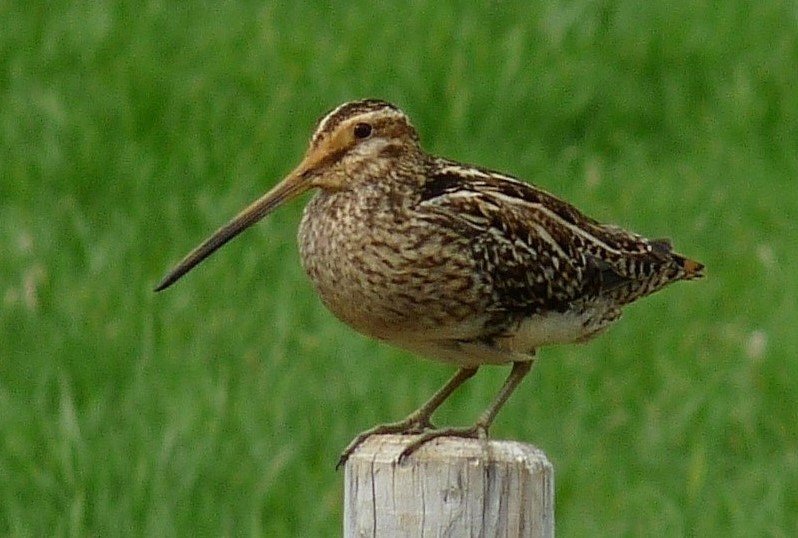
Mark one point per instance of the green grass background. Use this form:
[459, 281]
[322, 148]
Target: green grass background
[130, 130]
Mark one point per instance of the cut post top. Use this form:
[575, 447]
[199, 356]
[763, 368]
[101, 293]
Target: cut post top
[449, 487]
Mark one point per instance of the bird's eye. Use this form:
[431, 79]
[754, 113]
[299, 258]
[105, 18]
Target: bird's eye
[362, 130]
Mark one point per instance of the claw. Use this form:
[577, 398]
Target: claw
[410, 426]
[477, 431]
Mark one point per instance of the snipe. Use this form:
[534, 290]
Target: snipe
[451, 261]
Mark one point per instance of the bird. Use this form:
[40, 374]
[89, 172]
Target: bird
[454, 262]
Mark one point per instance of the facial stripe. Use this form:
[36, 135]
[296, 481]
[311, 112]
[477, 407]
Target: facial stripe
[347, 111]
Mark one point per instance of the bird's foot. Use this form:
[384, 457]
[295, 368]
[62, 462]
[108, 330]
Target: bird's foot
[411, 425]
[477, 431]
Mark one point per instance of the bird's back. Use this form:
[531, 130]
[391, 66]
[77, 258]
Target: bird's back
[554, 273]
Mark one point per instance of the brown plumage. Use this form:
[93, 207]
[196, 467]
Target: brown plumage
[454, 262]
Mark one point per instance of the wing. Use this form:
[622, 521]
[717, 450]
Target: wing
[538, 252]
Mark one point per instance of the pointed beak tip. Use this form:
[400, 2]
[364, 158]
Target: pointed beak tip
[165, 282]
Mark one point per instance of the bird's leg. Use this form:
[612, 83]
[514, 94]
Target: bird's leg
[480, 428]
[416, 422]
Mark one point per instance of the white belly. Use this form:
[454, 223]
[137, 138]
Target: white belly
[551, 328]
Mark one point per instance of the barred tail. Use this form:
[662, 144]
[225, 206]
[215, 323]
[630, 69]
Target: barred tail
[691, 269]
[687, 269]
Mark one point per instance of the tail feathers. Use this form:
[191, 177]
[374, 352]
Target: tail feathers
[691, 268]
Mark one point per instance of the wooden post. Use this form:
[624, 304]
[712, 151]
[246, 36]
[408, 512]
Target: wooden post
[449, 487]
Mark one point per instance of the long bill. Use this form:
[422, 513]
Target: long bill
[292, 186]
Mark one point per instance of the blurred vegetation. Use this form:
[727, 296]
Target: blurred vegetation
[130, 130]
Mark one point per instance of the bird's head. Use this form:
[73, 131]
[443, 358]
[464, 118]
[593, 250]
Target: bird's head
[350, 138]
[353, 137]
